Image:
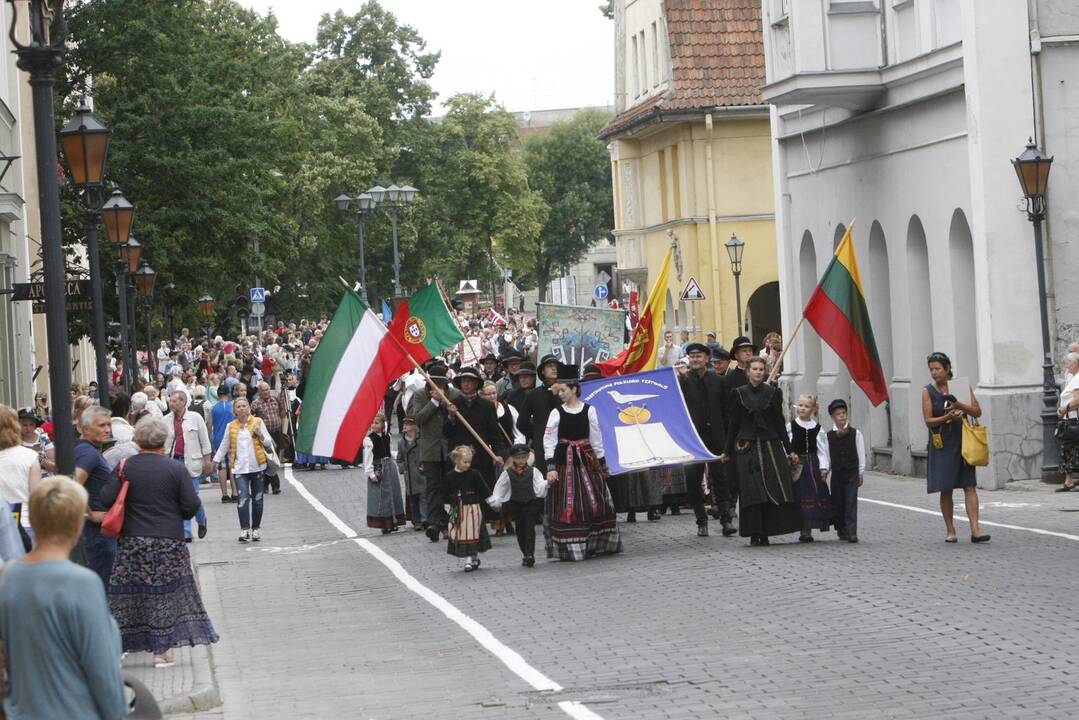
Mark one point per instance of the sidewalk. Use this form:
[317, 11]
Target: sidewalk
[187, 686]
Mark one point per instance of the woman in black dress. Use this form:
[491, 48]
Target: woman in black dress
[757, 442]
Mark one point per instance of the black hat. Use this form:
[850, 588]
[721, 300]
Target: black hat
[408, 419]
[546, 359]
[510, 356]
[569, 373]
[837, 404]
[467, 372]
[437, 372]
[720, 354]
[489, 357]
[697, 347]
[27, 414]
[591, 372]
[519, 449]
[527, 368]
[741, 342]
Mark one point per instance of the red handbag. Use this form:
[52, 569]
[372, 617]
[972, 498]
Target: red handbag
[114, 518]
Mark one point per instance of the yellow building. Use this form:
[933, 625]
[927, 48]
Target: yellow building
[691, 153]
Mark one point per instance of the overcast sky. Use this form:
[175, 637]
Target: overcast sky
[532, 55]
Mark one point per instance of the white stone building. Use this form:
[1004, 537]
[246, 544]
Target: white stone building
[905, 114]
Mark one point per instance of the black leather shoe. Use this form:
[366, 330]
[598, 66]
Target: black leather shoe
[979, 538]
[764, 540]
[631, 517]
[852, 539]
[1065, 488]
[226, 499]
[805, 538]
[729, 530]
[530, 561]
[702, 530]
[754, 540]
[202, 531]
[653, 515]
[432, 533]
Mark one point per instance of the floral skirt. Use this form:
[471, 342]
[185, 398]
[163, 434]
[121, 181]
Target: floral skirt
[1069, 458]
[153, 596]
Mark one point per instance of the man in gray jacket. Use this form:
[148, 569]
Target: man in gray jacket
[430, 414]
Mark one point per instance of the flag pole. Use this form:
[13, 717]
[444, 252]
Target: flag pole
[438, 391]
[794, 334]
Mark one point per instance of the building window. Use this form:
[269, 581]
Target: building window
[655, 55]
[644, 65]
[636, 68]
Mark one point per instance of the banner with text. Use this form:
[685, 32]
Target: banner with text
[644, 421]
[578, 335]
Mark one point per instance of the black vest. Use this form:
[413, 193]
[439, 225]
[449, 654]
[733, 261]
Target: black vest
[521, 489]
[804, 442]
[843, 450]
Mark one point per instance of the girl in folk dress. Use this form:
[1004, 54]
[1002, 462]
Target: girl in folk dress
[811, 490]
[580, 511]
[385, 507]
[466, 490]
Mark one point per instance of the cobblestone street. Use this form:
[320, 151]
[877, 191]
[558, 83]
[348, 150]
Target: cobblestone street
[900, 625]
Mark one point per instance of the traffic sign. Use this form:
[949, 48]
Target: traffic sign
[601, 291]
[693, 291]
[258, 295]
[258, 309]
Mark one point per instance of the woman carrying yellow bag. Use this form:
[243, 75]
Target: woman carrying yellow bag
[944, 416]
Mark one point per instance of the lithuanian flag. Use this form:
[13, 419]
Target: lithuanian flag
[838, 313]
[640, 354]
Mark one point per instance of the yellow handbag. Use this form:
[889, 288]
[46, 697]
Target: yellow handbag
[975, 443]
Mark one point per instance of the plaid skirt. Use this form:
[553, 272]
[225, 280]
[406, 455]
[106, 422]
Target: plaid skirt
[385, 506]
[153, 596]
[580, 512]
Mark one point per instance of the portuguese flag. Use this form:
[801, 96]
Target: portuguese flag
[355, 362]
[640, 354]
[838, 313]
[423, 325]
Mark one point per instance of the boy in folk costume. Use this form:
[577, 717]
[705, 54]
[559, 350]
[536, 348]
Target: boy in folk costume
[845, 461]
[521, 488]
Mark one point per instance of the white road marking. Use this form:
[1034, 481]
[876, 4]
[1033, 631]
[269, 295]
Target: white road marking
[508, 656]
[936, 513]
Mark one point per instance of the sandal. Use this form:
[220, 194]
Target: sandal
[951, 540]
[1065, 488]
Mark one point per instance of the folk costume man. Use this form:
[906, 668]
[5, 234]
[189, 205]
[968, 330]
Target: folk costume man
[430, 416]
[705, 395]
[742, 351]
[539, 403]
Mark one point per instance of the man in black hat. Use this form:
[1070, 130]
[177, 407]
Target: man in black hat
[489, 365]
[706, 396]
[721, 361]
[482, 416]
[430, 416]
[537, 408]
[524, 381]
[742, 349]
[511, 363]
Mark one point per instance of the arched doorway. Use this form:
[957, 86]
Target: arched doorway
[762, 312]
[919, 309]
[880, 315]
[961, 248]
[807, 276]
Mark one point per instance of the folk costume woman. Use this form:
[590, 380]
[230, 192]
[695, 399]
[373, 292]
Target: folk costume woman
[465, 490]
[385, 507]
[580, 511]
[811, 490]
[758, 444]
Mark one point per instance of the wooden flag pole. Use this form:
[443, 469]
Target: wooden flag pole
[794, 334]
[438, 391]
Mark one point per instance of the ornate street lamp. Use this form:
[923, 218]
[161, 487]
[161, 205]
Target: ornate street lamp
[363, 203]
[1032, 168]
[735, 247]
[119, 215]
[392, 199]
[85, 142]
[144, 281]
[206, 307]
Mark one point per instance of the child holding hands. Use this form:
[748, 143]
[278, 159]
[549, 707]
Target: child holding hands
[465, 491]
[521, 488]
[845, 461]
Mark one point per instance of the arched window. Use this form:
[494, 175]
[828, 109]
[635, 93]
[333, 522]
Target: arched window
[807, 264]
[919, 300]
[961, 250]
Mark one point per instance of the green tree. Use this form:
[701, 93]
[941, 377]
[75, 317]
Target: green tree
[571, 170]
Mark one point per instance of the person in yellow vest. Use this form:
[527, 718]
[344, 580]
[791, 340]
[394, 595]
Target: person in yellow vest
[247, 444]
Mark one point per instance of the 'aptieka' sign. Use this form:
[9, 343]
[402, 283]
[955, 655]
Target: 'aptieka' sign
[77, 293]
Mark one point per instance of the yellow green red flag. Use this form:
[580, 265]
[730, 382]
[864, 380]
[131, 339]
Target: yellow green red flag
[640, 354]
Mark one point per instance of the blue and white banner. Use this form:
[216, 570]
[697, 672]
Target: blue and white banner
[644, 421]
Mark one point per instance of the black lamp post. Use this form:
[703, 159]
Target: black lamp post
[364, 203]
[118, 215]
[1032, 167]
[170, 288]
[127, 255]
[735, 247]
[206, 307]
[42, 58]
[393, 199]
[144, 281]
[85, 142]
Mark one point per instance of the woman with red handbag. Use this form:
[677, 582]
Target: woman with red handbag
[152, 590]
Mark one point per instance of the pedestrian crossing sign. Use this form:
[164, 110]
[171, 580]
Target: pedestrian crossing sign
[258, 295]
[693, 291]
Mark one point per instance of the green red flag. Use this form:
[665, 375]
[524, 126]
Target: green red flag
[423, 325]
[837, 311]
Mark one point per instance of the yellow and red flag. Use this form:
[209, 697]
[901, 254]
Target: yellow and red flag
[640, 354]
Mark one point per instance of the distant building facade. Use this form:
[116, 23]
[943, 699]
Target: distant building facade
[904, 115]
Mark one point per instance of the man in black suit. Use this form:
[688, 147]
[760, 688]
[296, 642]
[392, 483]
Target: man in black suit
[706, 399]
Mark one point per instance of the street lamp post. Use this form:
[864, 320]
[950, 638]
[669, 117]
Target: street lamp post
[735, 247]
[144, 281]
[392, 199]
[1032, 167]
[170, 288]
[85, 142]
[206, 307]
[42, 58]
[128, 254]
[364, 204]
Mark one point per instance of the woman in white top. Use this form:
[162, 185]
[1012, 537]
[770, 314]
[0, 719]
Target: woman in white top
[248, 462]
[20, 470]
[1069, 410]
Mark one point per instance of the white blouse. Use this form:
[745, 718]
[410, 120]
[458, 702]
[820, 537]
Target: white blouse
[550, 435]
[246, 459]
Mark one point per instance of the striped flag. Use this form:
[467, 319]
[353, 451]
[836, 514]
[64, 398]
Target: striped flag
[355, 362]
[837, 311]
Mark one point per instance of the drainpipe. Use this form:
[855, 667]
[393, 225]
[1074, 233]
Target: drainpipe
[713, 231]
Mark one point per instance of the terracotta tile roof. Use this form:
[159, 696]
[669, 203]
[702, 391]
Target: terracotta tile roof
[717, 59]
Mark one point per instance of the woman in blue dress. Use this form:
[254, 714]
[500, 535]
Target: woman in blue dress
[944, 415]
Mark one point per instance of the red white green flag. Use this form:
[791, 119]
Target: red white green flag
[355, 362]
[423, 325]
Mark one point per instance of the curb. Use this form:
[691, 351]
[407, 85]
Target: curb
[205, 695]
